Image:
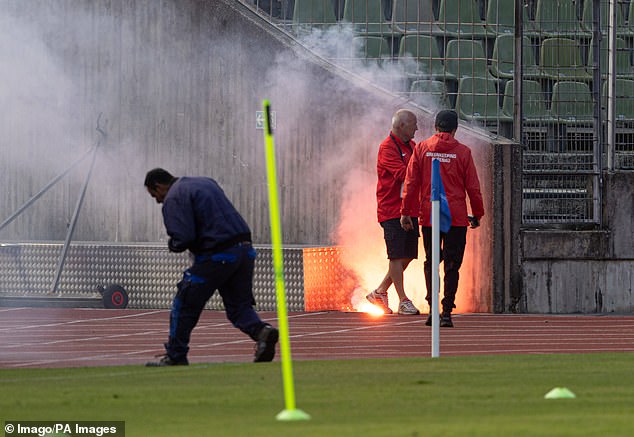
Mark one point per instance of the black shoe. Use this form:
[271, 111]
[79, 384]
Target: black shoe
[445, 321]
[166, 361]
[428, 321]
[265, 345]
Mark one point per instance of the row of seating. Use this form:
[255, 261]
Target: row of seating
[569, 102]
[564, 119]
[448, 52]
[460, 18]
[559, 58]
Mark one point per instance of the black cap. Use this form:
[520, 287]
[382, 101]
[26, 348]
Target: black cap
[447, 120]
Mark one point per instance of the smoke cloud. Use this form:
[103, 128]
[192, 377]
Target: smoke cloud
[43, 104]
[356, 231]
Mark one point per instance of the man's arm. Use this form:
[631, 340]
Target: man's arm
[472, 186]
[178, 217]
[391, 161]
[411, 187]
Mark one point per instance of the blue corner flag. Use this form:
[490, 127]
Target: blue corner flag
[438, 193]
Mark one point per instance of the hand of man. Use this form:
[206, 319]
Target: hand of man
[473, 222]
[406, 223]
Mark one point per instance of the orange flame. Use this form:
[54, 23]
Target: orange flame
[338, 278]
[373, 310]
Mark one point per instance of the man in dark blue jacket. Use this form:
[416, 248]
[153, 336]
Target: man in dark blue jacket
[198, 217]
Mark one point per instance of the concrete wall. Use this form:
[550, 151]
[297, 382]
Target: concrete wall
[590, 271]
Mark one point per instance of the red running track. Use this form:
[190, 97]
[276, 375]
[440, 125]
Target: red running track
[62, 337]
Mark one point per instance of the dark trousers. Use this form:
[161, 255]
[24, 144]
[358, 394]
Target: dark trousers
[452, 246]
[231, 273]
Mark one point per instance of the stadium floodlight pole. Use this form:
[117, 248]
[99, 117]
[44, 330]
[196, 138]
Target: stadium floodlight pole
[291, 412]
[435, 257]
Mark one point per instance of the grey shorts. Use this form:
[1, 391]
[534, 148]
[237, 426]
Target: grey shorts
[400, 244]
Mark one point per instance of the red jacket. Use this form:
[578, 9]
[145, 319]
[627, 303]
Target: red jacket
[391, 166]
[459, 177]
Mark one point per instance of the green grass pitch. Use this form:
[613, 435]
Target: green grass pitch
[447, 396]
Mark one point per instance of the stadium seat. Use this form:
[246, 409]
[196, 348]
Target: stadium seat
[558, 18]
[414, 16]
[477, 101]
[367, 17]
[309, 14]
[420, 57]
[500, 18]
[630, 17]
[503, 58]
[538, 126]
[461, 19]
[466, 58]
[374, 50]
[624, 67]
[624, 100]
[560, 60]
[571, 102]
[430, 93]
[623, 116]
[586, 19]
[533, 101]
[571, 105]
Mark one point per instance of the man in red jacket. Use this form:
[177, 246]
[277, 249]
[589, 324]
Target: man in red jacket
[460, 178]
[402, 246]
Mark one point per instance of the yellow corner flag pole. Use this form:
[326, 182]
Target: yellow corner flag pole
[290, 413]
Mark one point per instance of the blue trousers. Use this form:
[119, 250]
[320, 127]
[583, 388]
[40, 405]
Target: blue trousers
[231, 273]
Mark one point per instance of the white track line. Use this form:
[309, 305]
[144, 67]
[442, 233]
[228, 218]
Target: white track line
[77, 321]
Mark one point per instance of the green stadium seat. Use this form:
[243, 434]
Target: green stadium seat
[586, 19]
[533, 102]
[624, 96]
[430, 93]
[309, 14]
[560, 60]
[367, 17]
[461, 19]
[420, 57]
[624, 67]
[466, 58]
[374, 50]
[477, 101]
[572, 107]
[538, 126]
[571, 103]
[558, 18]
[500, 18]
[503, 58]
[624, 114]
[414, 16]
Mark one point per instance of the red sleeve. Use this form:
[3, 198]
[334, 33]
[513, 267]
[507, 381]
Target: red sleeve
[391, 161]
[472, 186]
[411, 187]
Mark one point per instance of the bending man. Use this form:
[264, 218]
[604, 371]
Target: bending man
[199, 217]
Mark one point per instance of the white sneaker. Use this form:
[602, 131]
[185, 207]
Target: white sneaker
[406, 307]
[380, 300]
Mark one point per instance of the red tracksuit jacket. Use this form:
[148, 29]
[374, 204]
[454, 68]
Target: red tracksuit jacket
[391, 166]
[459, 177]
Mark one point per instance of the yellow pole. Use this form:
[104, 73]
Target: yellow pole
[291, 412]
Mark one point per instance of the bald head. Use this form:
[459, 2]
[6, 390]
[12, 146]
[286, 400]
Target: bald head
[404, 125]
